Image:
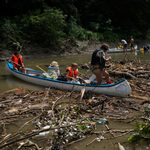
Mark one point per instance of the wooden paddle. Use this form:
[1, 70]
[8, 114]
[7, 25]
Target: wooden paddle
[41, 68]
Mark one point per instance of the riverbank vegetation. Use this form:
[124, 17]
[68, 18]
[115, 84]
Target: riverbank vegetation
[52, 23]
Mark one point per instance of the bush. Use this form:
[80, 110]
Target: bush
[46, 28]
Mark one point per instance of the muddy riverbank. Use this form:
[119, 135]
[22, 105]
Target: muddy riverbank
[81, 47]
[58, 119]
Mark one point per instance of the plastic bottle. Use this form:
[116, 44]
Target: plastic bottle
[120, 147]
[92, 77]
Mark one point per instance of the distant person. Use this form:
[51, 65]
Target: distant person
[124, 44]
[98, 64]
[18, 62]
[132, 44]
[72, 72]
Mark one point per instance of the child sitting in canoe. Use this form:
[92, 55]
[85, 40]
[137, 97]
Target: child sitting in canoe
[18, 62]
[72, 73]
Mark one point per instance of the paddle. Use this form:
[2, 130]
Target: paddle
[85, 81]
[41, 68]
[14, 63]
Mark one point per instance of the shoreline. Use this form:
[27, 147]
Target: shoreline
[85, 47]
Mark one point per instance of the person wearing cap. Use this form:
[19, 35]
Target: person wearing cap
[124, 44]
[72, 72]
[98, 64]
[54, 67]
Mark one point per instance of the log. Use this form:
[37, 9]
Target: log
[122, 74]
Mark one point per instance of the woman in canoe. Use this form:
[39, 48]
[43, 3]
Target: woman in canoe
[98, 64]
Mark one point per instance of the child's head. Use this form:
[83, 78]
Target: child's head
[17, 54]
[74, 66]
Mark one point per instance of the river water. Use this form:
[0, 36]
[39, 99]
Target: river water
[8, 82]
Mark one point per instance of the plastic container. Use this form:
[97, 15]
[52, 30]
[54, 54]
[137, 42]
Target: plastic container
[120, 147]
[92, 77]
[51, 69]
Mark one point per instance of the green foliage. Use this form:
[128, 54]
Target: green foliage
[9, 28]
[47, 28]
[44, 22]
[134, 138]
[143, 129]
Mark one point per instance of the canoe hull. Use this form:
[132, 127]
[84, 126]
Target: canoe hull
[121, 88]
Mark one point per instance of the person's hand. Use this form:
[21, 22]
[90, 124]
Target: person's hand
[74, 79]
[8, 60]
[109, 58]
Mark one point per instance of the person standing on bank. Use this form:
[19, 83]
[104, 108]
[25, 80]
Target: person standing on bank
[124, 44]
[132, 44]
[98, 64]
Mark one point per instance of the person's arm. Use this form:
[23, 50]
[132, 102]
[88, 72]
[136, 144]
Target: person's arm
[109, 58]
[78, 77]
[23, 65]
[67, 75]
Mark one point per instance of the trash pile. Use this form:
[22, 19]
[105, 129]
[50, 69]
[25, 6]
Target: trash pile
[56, 119]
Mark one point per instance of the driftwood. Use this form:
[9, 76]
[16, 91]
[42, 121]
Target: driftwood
[109, 130]
[122, 74]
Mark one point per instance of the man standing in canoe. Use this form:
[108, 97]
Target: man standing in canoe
[18, 62]
[98, 64]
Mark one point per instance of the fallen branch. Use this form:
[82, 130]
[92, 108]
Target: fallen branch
[109, 130]
[122, 74]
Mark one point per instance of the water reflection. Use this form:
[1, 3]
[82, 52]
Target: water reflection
[14, 82]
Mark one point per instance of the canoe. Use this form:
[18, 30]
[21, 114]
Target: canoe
[121, 88]
[118, 50]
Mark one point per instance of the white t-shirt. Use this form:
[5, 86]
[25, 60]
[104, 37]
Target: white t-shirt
[124, 41]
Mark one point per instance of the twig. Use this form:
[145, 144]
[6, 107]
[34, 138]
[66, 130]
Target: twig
[77, 140]
[55, 104]
[61, 120]
[109, 130]
[91, 142]
[20, 128]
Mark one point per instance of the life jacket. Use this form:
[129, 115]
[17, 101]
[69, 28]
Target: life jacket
[17, 61]
[98, 60]
[72, 73]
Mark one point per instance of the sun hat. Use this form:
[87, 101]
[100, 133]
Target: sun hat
[54, 64]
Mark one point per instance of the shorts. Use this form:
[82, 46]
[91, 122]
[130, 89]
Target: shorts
[94, 68]
[125, 45]
[131, 45]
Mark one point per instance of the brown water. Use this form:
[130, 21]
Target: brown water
[8, 82]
